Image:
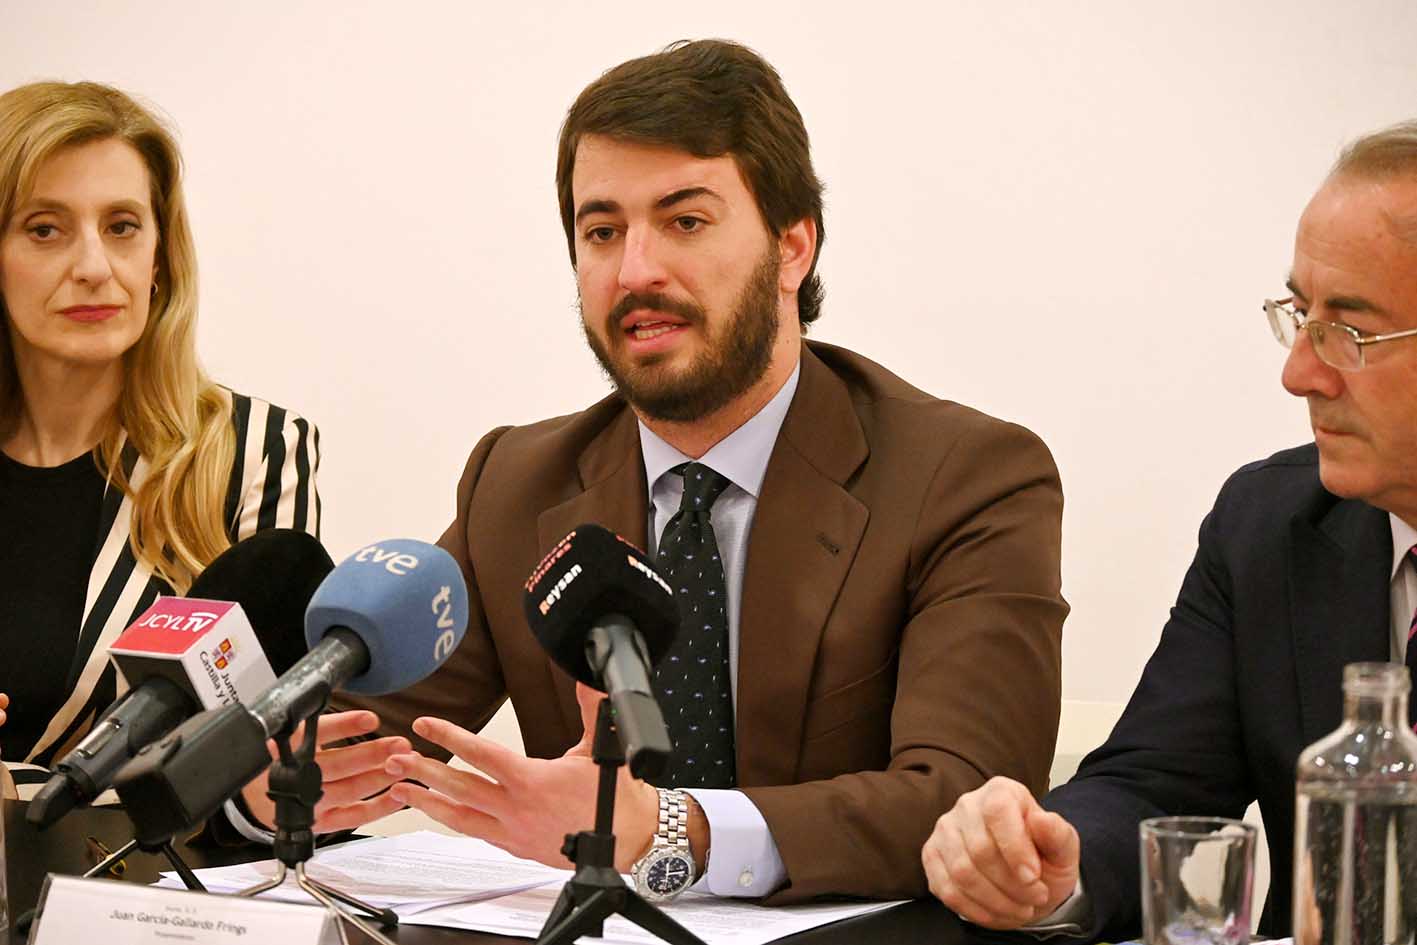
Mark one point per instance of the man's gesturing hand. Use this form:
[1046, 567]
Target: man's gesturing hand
[352, 777]
[524, 805]
[999, 860]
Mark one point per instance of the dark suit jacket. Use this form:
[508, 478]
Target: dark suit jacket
[1289, 584]
[901, 615]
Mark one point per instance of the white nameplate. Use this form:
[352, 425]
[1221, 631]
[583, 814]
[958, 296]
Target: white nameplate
[114, 913]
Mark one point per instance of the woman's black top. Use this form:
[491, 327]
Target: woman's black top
[49, 532]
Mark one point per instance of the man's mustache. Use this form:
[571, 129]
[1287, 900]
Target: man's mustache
[651, 302]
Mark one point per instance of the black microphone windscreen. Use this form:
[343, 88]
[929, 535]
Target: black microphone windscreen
[591, 573]
[272, 575]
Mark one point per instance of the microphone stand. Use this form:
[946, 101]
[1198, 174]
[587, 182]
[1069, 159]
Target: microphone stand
[597, 891]
[295, 787]
[184, 872]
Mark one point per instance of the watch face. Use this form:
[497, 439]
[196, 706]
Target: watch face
[668, 874]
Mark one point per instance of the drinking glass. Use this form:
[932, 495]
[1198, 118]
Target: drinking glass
[1197, 879]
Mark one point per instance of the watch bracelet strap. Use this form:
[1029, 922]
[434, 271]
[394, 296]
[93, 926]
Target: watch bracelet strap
[673, 827]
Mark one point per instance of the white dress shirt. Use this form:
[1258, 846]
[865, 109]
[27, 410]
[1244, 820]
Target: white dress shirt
[743, 859]
[1404, 586]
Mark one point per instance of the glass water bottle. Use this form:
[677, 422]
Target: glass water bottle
[1355, 824]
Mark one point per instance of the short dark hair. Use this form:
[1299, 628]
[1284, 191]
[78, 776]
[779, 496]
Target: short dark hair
[710, 98]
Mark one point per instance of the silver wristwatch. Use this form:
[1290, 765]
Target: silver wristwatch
[668, 868]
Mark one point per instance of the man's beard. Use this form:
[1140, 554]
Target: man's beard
[735, 358]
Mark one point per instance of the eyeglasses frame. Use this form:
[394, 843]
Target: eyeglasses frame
[1275, 307]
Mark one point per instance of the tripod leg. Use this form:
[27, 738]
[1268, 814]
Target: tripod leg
[112, 858]
[339, 914]
[654, 920]
[385, 917]
[183, 870]
[587, 918]
[271, 883]
[565, 905]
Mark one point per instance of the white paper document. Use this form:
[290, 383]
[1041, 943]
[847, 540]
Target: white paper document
[462, 883]
[406, 873]
[716, 921]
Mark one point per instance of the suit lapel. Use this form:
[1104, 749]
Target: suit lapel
[612, 475]
[806, 530]
[118, 590]
[1340, 604]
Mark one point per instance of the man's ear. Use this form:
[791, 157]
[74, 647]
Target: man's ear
[796, 249]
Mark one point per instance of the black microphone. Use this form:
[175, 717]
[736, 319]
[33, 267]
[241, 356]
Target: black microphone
[174, 672]
[606, 617]
[388, 616]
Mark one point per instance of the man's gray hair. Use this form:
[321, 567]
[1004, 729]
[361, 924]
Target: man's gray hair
[1389, 152]
[1392, 150]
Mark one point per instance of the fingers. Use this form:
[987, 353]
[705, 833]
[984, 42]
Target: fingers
[482, 753]
[968, 890]
[329, 818]
[999, 839]
[337, 726]
[334, 727]
[4, 704]
[1055, 839]
[448, 812]
[982, 861]
[464, 787]
[352, 790]
[339, 763]
[944, 889]
[348, 774]
[992, 828]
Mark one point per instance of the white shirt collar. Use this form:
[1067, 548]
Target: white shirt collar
[742, 456]
[1404, 536]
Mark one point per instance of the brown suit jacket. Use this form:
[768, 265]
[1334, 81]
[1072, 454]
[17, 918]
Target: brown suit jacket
[901, 616]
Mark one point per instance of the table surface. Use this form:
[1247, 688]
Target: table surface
[63, 848]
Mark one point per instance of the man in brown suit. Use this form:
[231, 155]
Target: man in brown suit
[890, 560]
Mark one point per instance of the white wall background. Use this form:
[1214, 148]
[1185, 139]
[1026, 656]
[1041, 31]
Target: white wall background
[1063, 213]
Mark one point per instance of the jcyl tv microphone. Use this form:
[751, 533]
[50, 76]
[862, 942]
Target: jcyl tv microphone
[183, 655]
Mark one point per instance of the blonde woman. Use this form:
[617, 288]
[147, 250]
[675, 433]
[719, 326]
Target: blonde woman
[124, 469]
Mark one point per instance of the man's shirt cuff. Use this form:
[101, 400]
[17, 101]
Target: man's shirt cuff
[743, 859]
[1068, 919]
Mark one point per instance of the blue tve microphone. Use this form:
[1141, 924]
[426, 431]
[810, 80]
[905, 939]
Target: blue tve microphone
[386, 617]
[410, 585]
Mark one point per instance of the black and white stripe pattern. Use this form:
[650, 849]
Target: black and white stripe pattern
[272, 485]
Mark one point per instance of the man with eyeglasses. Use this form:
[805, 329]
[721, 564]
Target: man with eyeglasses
[1305, 564]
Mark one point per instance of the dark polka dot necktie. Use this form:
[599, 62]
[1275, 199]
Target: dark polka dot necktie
[1412, 653]
[692, 681]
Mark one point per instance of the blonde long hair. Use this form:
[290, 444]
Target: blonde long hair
[169, 410]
